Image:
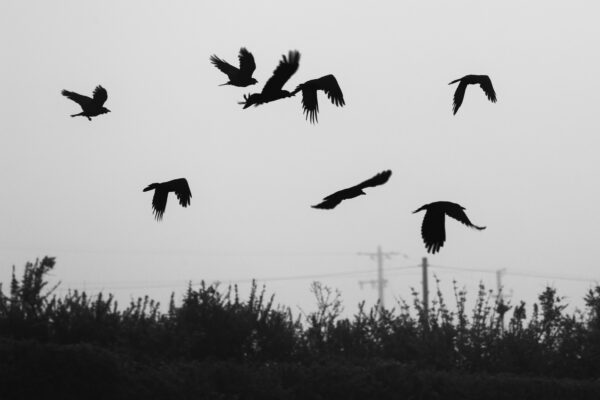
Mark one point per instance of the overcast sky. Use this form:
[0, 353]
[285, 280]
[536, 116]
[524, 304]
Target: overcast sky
[526, 167]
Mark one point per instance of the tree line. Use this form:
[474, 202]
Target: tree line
[211, 324]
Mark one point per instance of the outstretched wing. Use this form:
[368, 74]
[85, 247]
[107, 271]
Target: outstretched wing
[310, 104]
[100, 95]
[159, 202]
[458, 214]
[330, 202]
[182, 191]
[224, 66]
[488, 89]
[377, 180]
[433, 230]
[459, 95]
[284, 71]
[247, 64]
[77, 98]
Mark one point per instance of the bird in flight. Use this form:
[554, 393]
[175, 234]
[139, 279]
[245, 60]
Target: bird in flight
[329, 85]
[91, 107]
[241, 77]
[336, 198]
[483, 81]
[161, 192]
[273, 88]
[433, 228]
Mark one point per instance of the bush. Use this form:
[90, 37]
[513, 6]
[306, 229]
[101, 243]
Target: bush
[31, 370]
[212, 324]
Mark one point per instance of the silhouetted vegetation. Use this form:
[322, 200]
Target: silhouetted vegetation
[225, 347]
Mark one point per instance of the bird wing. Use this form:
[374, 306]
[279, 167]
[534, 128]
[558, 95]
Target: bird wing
[310, 104]
[159, 202]
[488, 89]
[458, 214]
[182, 191]
[459, 95]
[224, 66]
[330, 202]
[100, 95]
[77, 98]
[330, 86]
[433, 230]
[377, 180]
[284, 71]
[247, 64]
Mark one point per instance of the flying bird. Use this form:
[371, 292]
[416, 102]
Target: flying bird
[329, 85]
[242, 76]
[433, 228]
[333, 200]
[91, 107]
[483, 81]
[273, 88]
[161, 192]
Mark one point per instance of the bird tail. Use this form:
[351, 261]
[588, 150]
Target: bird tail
[454, 81]
[151, 186]
[250, 99]
[245, 102]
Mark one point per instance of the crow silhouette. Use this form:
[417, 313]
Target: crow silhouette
[329, 85]
[91, 107]
[433, 228]
[333, 200]
[273, 88]
[161, 192]
[483, 81]
[241, 77]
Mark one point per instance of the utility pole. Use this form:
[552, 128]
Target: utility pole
[381, 282]
[500, 295]
[425, 284]
[499, 286]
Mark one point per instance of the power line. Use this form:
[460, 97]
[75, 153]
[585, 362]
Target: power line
[95, 286]
[300, 277]
[463, 269]
[557, 277]
[516, 273]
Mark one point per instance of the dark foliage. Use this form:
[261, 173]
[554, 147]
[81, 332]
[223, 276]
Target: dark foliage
[211, 325]
[32, 370]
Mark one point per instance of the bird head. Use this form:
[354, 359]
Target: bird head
[151, 186]
[420, 209]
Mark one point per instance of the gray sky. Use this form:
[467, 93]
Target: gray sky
[525, 167]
